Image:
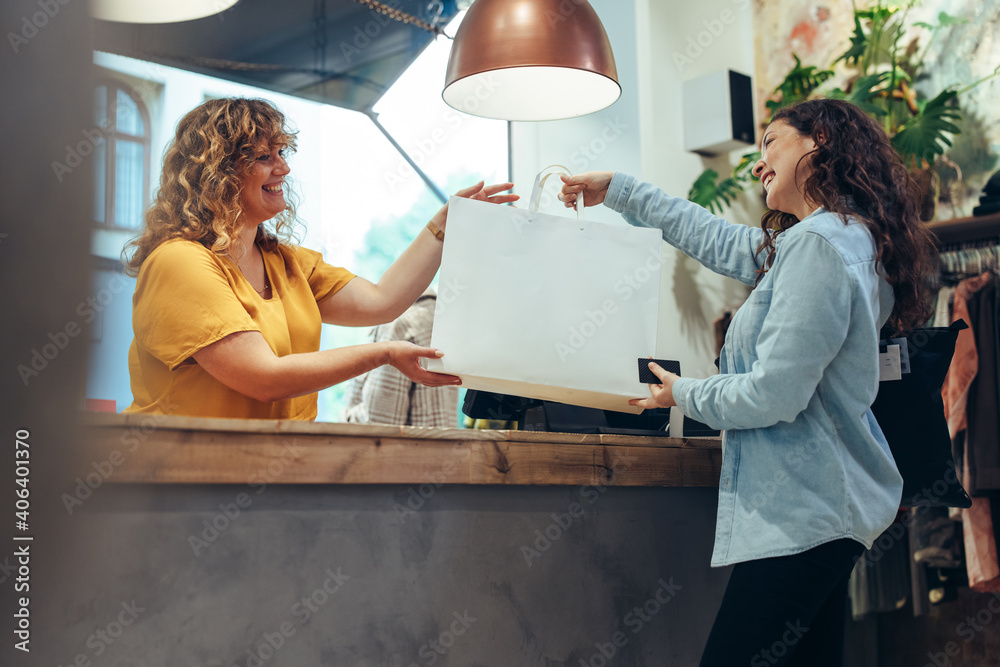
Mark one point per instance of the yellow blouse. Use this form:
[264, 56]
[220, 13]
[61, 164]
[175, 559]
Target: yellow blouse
[188, 297]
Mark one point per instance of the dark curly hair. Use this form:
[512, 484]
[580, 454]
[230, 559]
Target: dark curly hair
[199, 198]
[856, 172]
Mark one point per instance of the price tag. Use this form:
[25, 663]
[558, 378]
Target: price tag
[904, 354]
[888, 364]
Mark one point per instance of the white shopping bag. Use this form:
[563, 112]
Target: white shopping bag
[546, 307]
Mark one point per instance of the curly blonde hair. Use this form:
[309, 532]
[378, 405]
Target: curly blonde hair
[214, 148]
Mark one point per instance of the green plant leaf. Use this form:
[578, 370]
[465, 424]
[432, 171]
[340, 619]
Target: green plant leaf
[945, 20]
[859, 42]
[901, 75]
[926, 135]
[867, 94]
[798, 84]
[877, 14]
[744, 170]
[712, 194]
[704, 191]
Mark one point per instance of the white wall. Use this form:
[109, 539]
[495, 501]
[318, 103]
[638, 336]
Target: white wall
[658, 44]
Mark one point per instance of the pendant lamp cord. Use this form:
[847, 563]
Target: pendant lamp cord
[403, 17]
[319, 26]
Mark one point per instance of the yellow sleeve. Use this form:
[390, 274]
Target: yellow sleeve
[184, 302]
[324, 279]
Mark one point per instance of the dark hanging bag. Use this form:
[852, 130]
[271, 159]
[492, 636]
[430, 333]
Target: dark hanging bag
[910, 412]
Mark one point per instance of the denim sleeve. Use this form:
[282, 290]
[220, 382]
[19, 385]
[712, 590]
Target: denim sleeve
[722, 246]
[803, 330]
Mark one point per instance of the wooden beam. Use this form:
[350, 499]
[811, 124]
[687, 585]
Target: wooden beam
[966, 229]
[181, 450]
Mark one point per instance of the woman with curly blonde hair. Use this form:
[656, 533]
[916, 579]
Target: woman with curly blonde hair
[227, 312]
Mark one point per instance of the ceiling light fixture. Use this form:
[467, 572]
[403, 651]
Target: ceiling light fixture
[156, 11]
[531, 60]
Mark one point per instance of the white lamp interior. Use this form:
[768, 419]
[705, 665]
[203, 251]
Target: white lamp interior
[156, 11]
[532, 93]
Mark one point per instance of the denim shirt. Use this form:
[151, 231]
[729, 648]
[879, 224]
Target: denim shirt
[803, 460]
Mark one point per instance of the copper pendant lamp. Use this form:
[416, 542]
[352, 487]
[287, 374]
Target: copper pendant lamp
[531, 60]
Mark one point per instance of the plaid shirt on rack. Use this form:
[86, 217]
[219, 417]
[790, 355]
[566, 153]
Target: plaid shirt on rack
[386, 396]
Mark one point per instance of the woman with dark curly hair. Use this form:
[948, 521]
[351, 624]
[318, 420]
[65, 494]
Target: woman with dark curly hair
[227, 312]
[808, 481]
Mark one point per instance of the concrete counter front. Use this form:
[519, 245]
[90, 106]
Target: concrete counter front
[257, 544]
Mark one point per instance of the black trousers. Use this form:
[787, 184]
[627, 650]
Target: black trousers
[786, 611]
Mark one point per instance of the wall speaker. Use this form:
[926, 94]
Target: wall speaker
[718, 113]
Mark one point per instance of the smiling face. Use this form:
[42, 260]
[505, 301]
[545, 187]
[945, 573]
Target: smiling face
[263, 195]
[780, 171]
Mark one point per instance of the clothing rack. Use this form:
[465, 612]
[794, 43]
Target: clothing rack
[969, 259]
[968, 249]
[968, 246]
[960, 230]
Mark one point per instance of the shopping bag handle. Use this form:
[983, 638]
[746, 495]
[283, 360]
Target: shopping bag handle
[536, 190]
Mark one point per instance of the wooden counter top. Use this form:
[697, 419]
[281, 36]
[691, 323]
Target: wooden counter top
[186, 450]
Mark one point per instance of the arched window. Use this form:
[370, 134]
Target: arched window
[121, 157]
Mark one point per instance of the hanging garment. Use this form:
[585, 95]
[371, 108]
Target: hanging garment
[942, 307]
[977, 521]
[983, 441]
[938, 539]
[880, 581]
[965, 362]
[980, 544]
[910, 412]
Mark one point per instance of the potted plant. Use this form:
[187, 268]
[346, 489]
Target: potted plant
[883, 63]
